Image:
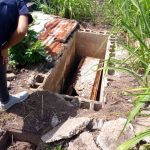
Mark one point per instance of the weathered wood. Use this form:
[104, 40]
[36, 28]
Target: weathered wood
[96, 83]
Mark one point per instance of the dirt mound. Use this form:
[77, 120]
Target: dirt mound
[40, 113]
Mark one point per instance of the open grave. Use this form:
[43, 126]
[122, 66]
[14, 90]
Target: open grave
[70, 84]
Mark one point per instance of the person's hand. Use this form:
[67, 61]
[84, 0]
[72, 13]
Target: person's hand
[4, 53]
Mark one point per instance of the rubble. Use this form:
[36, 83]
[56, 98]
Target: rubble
[10, 76]
[96, 124]
[85, 141]
[66, 130]
[55, 121]
[141, 124]
[108, 138]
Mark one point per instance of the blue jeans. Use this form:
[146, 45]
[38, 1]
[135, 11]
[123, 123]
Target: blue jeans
[4, 95]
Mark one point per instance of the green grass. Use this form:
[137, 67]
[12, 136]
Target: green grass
[72, 9]
[28, 51]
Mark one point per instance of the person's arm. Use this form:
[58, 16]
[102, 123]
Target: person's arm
[16, 37]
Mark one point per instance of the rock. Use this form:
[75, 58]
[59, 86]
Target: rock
[108, 136]
[11, 76]
[139, 129]
[55, 121]
[66, 130]
[96, 124]
[141, 124]
[85, 141]
[145, 121]
[32, 80]
[121, 54]
[145, 112]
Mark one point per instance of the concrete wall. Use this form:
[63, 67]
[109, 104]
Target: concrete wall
[82, 44]
[91, 44]
[57, 75]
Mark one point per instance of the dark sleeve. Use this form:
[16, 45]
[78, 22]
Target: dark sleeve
[23, 10]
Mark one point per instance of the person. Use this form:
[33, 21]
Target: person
[14, 20]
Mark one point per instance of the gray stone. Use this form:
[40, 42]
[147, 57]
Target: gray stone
[66, 130]
[141, 124]
[121, 54]
[11, 76]
[96, 124]
[139, 129]
[108, 138]
[55, 121]
[85, 141]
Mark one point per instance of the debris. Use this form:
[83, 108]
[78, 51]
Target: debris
[145, 112]
[145, 121]
[10, 76]
[96, 124]
[85, 141]
[108, 136]
[66, 130]
[139, 129]
[55, 121]
[142, 123]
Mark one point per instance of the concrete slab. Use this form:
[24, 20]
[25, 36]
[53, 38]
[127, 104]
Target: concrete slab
[85, 141]
[66, 130]
[108, 138]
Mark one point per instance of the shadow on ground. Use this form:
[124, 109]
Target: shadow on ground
[39, 114]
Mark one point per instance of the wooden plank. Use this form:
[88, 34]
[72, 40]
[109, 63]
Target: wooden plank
[97, 83]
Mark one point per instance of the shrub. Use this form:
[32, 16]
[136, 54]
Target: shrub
[28, 51]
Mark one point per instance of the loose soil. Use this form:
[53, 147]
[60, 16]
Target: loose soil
[36, 114]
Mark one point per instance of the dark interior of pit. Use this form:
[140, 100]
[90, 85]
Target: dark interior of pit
[10, 143]
[87, 45]
[71, 77]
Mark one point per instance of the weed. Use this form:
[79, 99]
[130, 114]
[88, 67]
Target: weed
[131, 17]
[28, 51]
[75, 9]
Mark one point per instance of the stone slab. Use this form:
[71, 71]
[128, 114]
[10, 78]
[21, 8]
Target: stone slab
[66, 130]
[108, 138]
[85, 141]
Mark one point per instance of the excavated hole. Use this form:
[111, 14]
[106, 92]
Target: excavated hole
[78, 71]
[72, 77]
